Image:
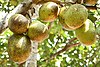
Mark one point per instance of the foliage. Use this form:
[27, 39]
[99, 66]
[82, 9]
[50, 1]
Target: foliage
[78, 56]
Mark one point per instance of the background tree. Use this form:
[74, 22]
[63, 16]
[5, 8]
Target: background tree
[62, 48]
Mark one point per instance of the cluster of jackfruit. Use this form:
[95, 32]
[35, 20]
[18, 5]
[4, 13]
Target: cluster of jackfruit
[19, 44]
[73, 18]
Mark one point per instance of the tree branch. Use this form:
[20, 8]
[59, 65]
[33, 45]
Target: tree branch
[56, 1]
[66, 47]
[32, 61]
[91, 7]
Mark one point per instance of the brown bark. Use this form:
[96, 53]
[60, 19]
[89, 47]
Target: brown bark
[32, 61]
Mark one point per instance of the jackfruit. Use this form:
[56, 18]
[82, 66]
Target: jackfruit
[37, 31]
[18, 24]
[86, 33]
[75, 16]
[62, 19]
[19, 48]
[48, 12]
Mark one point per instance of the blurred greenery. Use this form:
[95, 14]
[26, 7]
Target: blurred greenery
[79, 56]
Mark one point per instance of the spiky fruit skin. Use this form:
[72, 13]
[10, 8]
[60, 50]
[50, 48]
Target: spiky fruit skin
[86, 33]
[75, 16]
[37, 31]
[18, 23]
[19, 48]
[62, 19]
[48, 12]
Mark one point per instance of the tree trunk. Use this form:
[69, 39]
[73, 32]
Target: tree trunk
[32, 61]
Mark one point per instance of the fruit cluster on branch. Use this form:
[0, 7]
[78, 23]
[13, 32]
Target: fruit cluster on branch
[73, 17]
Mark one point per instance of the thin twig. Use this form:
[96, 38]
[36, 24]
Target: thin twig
[91, 7]
[64, 49]
[71, 40]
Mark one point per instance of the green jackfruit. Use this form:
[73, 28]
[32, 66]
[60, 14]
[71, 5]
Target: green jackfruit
[86, 33]
[19, 48]
[75, 16]
[37, 31]
[18, 23]
[62, 19]
[48, 12]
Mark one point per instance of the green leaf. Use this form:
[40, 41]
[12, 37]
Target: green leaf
[13, 2]
[98, 30]
[2, 1]
[98, 64]
[94, 45]
[63, 33]
[71, 33]
[98, 22]
[55, 28]
[92, 18]
[81, 48]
